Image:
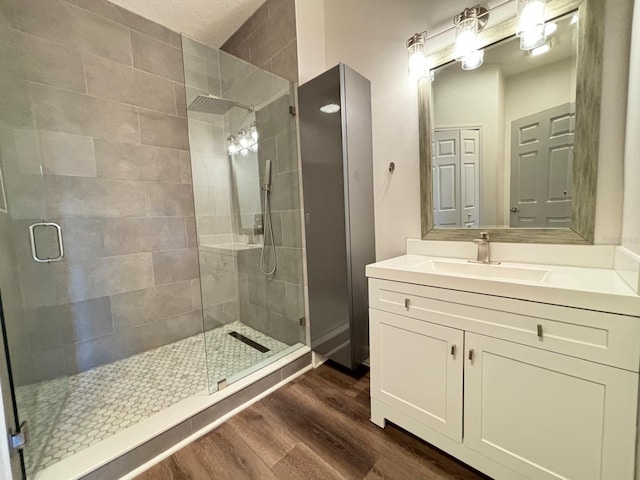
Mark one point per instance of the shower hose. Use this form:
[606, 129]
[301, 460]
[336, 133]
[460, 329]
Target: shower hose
[268, 232]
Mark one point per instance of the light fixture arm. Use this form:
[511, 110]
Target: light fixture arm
[478, 12]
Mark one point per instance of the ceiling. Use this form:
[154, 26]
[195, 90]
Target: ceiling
[210, 21]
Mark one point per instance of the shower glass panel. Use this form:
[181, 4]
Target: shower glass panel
[39, 380]
[240, 126]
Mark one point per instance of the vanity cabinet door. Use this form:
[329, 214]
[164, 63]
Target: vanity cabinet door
[416, 368]
[548, 416]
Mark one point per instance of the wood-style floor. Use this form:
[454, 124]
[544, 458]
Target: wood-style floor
[316, 427]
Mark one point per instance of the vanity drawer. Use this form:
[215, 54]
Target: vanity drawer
[609, 339]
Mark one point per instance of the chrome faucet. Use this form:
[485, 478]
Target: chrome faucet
[484, 255]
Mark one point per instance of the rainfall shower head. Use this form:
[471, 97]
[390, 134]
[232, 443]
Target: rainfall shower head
[215, 105]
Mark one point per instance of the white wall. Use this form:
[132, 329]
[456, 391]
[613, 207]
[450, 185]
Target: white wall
[310, 34]
[370, 36]
[469, 99]
[631, 217]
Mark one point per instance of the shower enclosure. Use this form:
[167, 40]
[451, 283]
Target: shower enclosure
[130, 236]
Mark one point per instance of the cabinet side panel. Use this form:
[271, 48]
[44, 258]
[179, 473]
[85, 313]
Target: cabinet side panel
[324, 206]
[359, 177]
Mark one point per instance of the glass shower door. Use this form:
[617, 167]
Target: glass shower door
[33, 359]
[33, 373]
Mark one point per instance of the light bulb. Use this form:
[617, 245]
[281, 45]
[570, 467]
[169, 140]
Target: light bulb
[466, 38]
[472, 60]
[244, 142]
[254, 147]
[530, 15]
[544, 48]
[244, 152]
[532, 38]
[233, 149]
[254, 133]
[417, 65]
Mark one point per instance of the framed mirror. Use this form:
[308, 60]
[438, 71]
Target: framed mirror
[512, 146]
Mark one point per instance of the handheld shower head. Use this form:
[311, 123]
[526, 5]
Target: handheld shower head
[267, 175]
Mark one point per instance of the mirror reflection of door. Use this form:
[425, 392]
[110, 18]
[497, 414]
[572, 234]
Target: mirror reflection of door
[456, 178]
[541, 168]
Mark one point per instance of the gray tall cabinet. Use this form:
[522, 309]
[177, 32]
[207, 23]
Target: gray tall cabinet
[337, 173]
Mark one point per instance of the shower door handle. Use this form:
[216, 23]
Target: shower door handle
[34, 250]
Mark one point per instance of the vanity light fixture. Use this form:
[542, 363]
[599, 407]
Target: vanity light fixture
[531, 27]
[243, 142]
[468, 24]
[417, 56]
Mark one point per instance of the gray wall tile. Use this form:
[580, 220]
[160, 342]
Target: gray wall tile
[69, 196]
[285, 193]
[125, 17]
[176, 328]
[86, 320]
[151, 305]
[135, 340]
[287, 151]
[45, 62]
[175, 265]
[65, 154]
[185, 167]
[63, 111]
[113, 81]
[181, 100]
[267, 39]
[129, 161]
[83, 356]
[67, 25]
[170, 200]
[273, 35]
[156, 57]
[285, 62]
[122, 236]
[291, 229]
[101, 277]
[163, 130]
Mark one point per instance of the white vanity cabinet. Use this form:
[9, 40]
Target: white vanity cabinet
[516, 389]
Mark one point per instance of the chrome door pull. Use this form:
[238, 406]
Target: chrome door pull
[32, 237]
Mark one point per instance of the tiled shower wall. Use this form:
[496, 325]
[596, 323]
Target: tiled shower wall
[268, 39]
[108, 125]
[228, 195]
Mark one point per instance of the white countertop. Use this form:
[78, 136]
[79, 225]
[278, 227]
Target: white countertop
[589, 288]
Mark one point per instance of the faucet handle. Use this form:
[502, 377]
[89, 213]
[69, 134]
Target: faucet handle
[484, 238]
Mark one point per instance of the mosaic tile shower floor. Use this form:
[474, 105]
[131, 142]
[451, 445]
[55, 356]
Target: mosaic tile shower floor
[113, 397]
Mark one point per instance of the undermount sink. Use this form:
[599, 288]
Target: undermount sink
[508, 272]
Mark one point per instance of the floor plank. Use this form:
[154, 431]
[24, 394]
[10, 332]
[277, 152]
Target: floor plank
[267, 435]
[316, 427]
[304, 463]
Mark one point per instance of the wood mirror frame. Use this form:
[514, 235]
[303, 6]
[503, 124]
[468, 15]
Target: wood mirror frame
[586, 140]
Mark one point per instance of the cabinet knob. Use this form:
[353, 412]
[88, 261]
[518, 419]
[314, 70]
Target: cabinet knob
[539, 330]
[471, 354]
[453, 351]
[406, 303]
